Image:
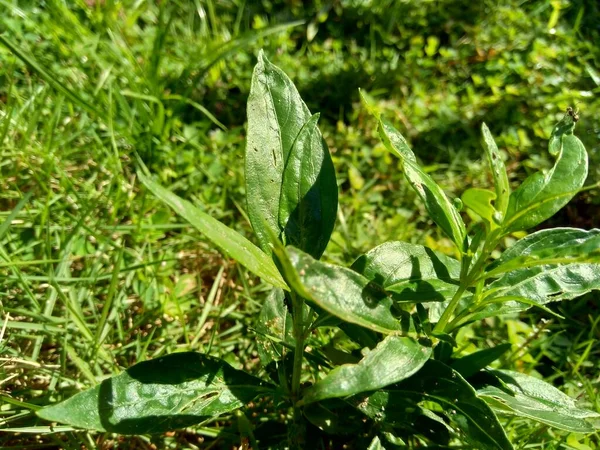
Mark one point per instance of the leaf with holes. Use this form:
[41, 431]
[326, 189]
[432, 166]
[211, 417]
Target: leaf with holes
[541, 195]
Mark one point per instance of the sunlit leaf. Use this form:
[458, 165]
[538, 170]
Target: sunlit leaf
[290, 180]
[229, 241]
[394, 359]
[440, 208]
[554, 245]
[340, 291]
[541, 195]
[480, 201]
[410, 272]
[516, 394]
[540, 285]
[159, 395]
[501, 185]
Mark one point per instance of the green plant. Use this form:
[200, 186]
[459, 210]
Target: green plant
[349, 348]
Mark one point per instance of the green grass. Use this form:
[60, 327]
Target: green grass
[96, 274]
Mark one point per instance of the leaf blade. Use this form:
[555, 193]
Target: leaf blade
[158, 395]
[394, 359]
[339, 291]
[515, 393]
[471, 364]
[276, 114]
[308, 202]
[546, 246]
[438, 383]
[229, 241]
[410, 272]
[498, 168]
[439, 207]
[543, 284]
[540, 196]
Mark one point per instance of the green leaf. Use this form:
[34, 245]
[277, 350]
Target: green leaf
[471, 364]
[375, 444]
[542, 195]
[274, 328]
[290, 180]
[308, 204]
[440, 208]
[159, 395]
[336, 417]
[540, 285]
[394, 359]
[556, 245]
[516, 394]
[390, 409]
[229, 241]
[339, 291]
[438, 383]
[480, 201]
[410, 272]
[498, 171]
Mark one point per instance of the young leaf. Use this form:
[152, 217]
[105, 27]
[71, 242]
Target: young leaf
[394, 359]
[229, 241]
[542, 195]
[339, 291]
[438, 383]
[296, 196]
[308, 204]
[498, 171]
[440, 208]
[480, 201]
[516, 394]
[471, 364]
[159, 395]
[555, 245]
[410, 272]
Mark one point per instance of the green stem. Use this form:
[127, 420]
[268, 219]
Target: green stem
[466, 280]
[447, 314]
[297, 306]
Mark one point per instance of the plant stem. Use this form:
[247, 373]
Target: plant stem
[467, 277]
[297, 309]
[447, 314]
